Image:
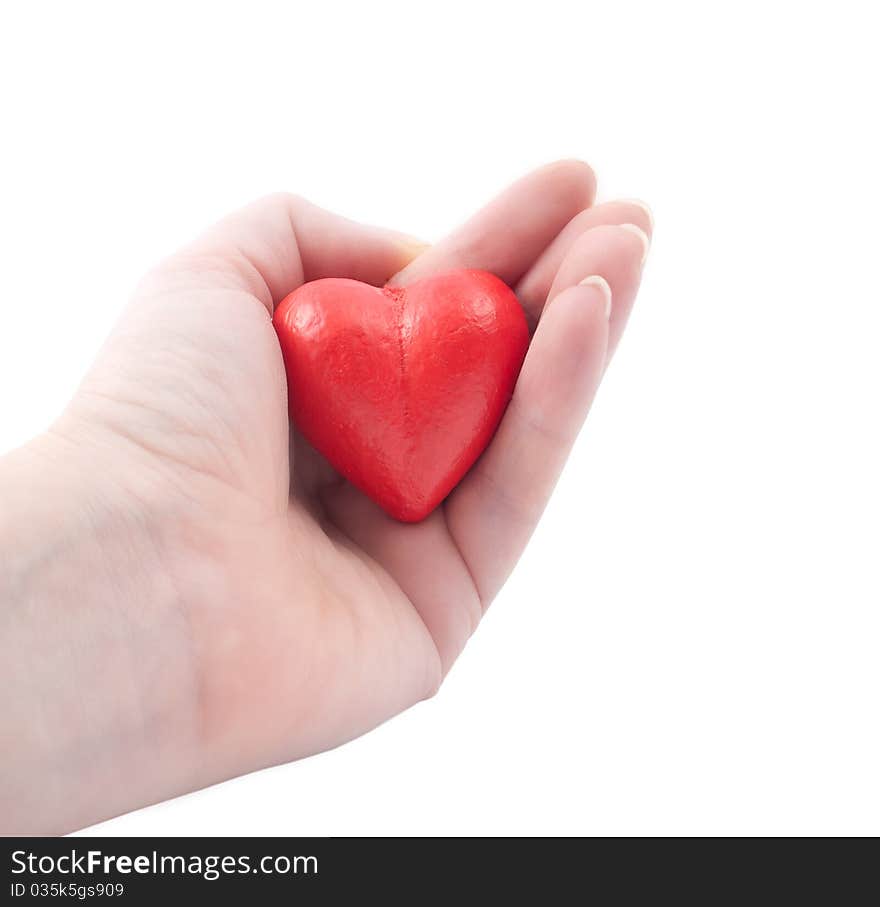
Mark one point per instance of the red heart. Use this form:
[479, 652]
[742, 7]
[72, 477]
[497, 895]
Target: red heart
[401, 389]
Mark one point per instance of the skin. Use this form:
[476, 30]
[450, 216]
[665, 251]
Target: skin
[189, 592]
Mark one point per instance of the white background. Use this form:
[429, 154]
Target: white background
[690, 645]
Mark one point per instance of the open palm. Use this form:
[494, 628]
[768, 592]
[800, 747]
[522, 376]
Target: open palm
[309, 616]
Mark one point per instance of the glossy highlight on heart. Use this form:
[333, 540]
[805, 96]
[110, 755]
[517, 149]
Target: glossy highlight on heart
[402, 388]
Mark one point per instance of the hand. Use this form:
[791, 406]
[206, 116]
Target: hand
[220, 599]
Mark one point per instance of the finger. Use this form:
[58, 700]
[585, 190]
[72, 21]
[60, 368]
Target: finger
[534, 287]
[508, 234]
[273, 245]
[492, 513]
[441, 590]
[618, 254]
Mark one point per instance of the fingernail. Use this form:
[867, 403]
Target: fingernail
[411, 246]
[601, 284]
[638, 203]
[643, 239]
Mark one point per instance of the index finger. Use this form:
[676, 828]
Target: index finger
[507, 235]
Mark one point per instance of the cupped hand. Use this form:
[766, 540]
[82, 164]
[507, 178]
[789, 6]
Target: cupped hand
[297, 614]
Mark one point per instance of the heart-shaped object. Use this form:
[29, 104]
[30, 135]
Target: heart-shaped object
[401, 388]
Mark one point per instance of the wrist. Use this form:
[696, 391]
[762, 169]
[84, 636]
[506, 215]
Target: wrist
[99, 697]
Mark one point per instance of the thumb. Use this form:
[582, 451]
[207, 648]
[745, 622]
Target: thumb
[270, 247]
